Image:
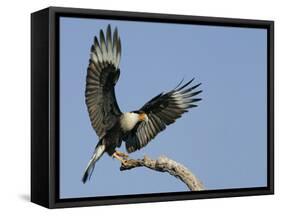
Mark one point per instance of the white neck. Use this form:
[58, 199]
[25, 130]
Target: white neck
[128, 121]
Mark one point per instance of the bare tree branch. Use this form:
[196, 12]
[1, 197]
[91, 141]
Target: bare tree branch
[164, 164]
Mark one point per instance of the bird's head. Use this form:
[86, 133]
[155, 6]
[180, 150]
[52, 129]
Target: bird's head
[128, 120]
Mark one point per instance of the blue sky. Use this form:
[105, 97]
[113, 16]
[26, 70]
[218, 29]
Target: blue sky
[223, 141]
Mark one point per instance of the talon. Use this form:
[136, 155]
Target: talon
[120, 158]
[124, 162]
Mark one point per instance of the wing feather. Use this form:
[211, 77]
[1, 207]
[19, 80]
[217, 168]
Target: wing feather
[162, 110]
[103, 46]
[109, 44]
[97, 51]
[102, 75]
[114, 49]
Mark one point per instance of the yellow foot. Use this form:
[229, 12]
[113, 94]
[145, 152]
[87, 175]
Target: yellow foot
[122, 155]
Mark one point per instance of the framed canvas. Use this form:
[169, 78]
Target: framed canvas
[139, 107]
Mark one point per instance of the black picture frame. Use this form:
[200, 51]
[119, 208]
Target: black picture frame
[45, 106]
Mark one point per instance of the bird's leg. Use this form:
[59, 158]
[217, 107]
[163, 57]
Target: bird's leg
[121, 157]
[116, 156]
[121, 154]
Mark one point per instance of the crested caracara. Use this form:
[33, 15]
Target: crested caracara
[135, 128]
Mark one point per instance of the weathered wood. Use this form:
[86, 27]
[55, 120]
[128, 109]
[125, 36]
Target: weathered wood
[164, 164]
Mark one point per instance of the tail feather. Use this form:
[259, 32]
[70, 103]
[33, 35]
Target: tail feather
[99, 150]
[89, 170]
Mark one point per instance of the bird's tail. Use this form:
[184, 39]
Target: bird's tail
[99, 150]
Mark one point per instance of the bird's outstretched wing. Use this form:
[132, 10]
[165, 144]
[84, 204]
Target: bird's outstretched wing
[102, 75]
[162, 110]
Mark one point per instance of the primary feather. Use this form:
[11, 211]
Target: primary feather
[162, 110]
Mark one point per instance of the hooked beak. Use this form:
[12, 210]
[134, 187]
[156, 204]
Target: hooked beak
[143, 117]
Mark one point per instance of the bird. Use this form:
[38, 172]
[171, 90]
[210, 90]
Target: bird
[135, 128]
